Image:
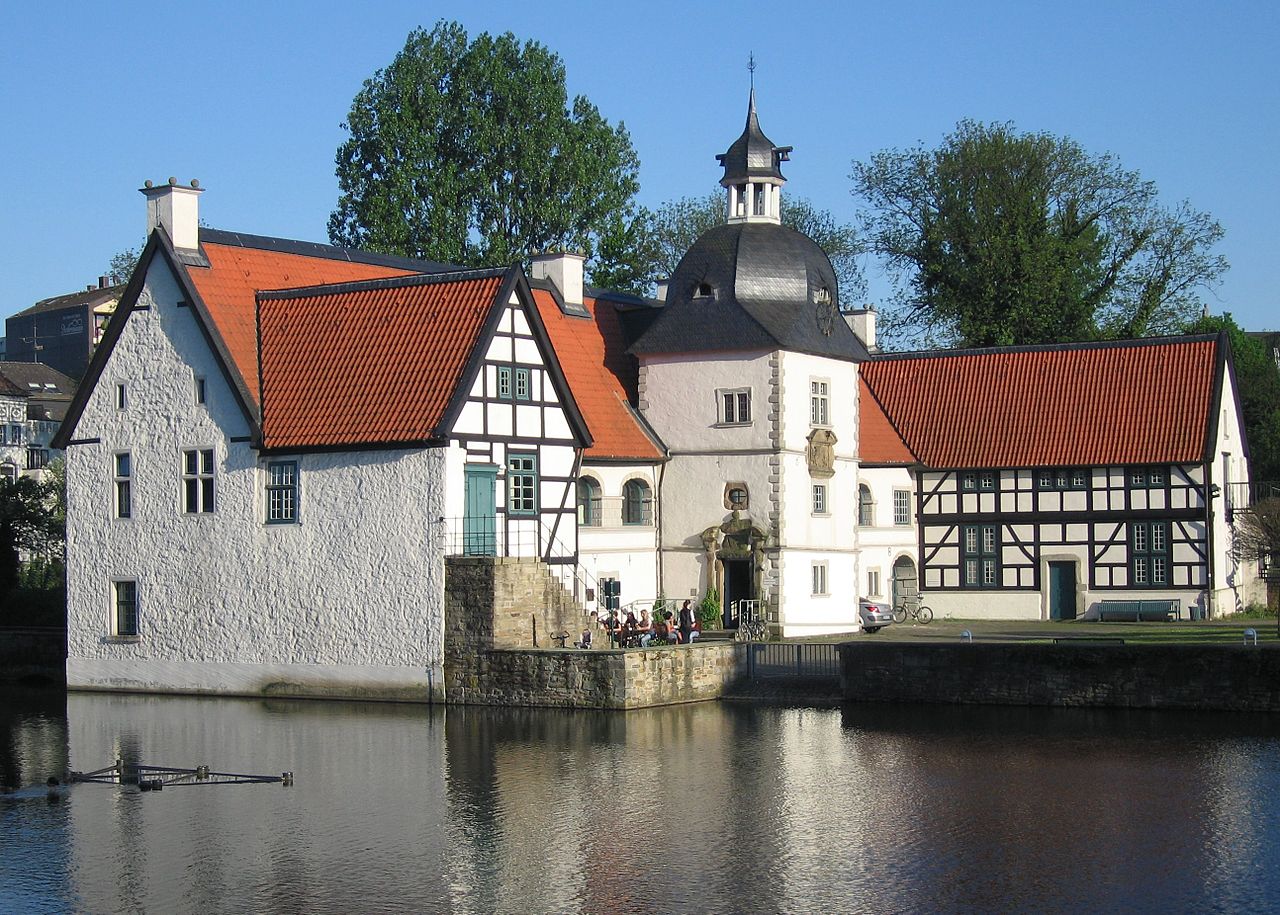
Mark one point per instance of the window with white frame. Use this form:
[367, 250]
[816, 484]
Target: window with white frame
[866, 507]
[873, 582]
[902, 506]
[124, 618]
[197, 480]
[819, 498]
[504, 382]
[981, 549]
[522, 484]
[522, 384]
[1149, 552]
[637, 503]
[819, 578]
[819, 402]
[734, 406]
[282, 492]
[123, 469]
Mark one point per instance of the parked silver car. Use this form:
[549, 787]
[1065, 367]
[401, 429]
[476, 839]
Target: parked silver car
[875, 615]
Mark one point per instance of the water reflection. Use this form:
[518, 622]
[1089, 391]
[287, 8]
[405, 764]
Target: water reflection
[710, 807]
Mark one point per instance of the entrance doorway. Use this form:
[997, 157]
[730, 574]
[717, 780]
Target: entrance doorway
[479, 522]
[737, 586]
[905, 586]
[1062, 590]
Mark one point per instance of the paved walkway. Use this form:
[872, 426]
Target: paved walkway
[1229, 631]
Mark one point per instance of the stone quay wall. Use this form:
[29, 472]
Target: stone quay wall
[33, 654]
[1209, 677]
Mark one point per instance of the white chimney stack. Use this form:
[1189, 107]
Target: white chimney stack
[662, 284]
[177, 209]
[564, 270]
[862, 321]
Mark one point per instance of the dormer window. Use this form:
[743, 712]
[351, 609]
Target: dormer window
[703, 291]
[822, 296]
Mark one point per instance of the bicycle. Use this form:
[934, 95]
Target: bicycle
[921, 614]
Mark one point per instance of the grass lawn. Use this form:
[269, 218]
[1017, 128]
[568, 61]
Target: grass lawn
[1227, 631]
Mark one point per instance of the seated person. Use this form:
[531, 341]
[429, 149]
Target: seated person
[630, 631]
[673, 634]
[645, 629]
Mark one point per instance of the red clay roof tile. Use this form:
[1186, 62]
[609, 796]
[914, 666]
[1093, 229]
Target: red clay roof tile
[1132, 403]
[878, 441]
[372, 363]
[235, 274]
[600, 372]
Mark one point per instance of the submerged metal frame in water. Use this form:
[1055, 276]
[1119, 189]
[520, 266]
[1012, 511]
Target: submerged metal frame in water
[157, 778]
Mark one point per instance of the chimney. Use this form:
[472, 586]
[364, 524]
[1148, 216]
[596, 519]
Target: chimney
[564, 270]
[862, 321]
[103, 281]
[661, 294]
[177, 209]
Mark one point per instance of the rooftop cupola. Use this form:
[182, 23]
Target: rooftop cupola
[753, 173]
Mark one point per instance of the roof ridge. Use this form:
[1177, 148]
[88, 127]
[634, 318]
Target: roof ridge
[1130, 343]
[319, 249]
[384, 282]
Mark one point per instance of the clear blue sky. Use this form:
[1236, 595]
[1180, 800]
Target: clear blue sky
[249, 98]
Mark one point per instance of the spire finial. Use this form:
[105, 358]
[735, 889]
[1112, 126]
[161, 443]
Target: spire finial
[751, 68]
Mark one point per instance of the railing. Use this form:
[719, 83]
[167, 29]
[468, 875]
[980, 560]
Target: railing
[792, 660]
[1243, 496]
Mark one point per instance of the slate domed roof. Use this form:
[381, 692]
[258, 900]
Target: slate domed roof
[752, 285]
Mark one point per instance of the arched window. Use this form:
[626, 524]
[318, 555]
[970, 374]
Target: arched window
[866, 508]
[9, 472]
[637, 503]
[588, 502]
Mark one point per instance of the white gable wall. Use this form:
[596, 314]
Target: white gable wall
[1236, 583]
[347, 601]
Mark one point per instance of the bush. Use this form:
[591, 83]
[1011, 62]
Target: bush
[709, 610]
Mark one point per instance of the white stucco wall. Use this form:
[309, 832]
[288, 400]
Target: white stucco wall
[883, 543]
[626, 552]
[1236, 581]
[348, 600]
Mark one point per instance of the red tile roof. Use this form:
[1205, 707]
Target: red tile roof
[1139, 402]
[236, 273]
[600, 373]
[878, 441]
[368, 363]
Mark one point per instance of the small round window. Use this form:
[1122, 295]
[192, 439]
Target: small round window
[735, 496]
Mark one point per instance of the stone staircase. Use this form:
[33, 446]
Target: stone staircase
[495, 602]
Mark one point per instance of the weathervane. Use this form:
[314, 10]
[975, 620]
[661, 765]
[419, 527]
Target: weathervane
[751, 68]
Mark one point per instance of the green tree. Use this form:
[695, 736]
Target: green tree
[32, 521]
[122, 264]
[998, 237]
[469, 152]
[1258, 387]
[677, 224]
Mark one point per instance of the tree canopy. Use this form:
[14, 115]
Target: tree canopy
[998, 237]
[676, 225]
[469, 152]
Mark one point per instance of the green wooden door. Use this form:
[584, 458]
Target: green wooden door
[479, 523]
[1062, 590]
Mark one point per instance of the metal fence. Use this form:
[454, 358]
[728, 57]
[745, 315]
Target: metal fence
[792, 660]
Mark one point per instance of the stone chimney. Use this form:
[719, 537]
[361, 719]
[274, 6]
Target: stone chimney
[564, 270]
[177, 209]
[862, 321]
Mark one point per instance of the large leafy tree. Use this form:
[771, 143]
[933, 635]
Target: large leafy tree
[470, 152]
[676, 225]
[32, 521]
[999, 237]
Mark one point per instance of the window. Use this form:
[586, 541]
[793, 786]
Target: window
[522, 384]
[873, 582]
[282, 492]
[1062, 479]
[819, 498]
[981, 549]
[819, 403]
[1079, 479]
[15, 435]
[200, 390]
[866, 508]
[124, 484]
[637, 503]
[504, 382]
[819, 578]
[735, 407]
[588, 502]
[197, 480]
[9, 472]
[987, 480]
[122, 397]
[902, 506]
[125, 619]
[1149, 552]
[703, 290]
[37, 458]
[522, 484]
[736, 497]
[969, 481]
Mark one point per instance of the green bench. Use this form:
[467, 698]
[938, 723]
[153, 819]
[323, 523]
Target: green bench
[1138, 611]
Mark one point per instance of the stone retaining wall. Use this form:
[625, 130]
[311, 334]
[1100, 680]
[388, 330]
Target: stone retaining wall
[1225, 677]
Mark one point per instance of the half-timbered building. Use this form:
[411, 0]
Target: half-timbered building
[1071, 481]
